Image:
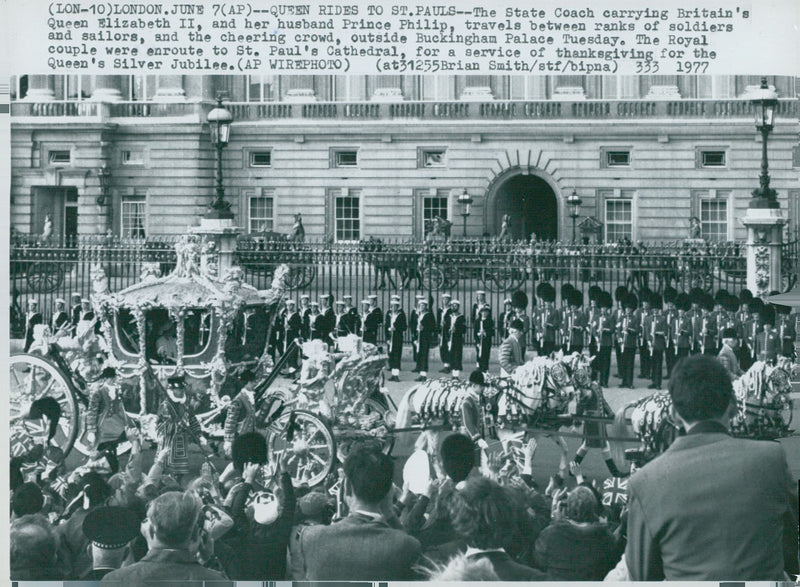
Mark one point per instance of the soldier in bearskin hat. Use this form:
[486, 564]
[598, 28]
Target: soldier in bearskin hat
[752, 326]
[628, 332]
[591, 318]
[768, 343]
[659, 335]
[604, 332]
[727, 354]
[681, 327]
[619, 297]
[670, 312]
[576, 323]
[548, 329]
[696, 297]
[519, 300]
[785, 325]
[645, 314]
[709, 332]
[483, 331]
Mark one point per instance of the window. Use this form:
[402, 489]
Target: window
[714, 219]
[132, 157]
[59, 157]
[431, 158]
[133, 214]
[619, 220]
[344, 158]
[347, 221]
[433, 207]
[261, 213]
[617, 158]
[712, 158]
[260, 158]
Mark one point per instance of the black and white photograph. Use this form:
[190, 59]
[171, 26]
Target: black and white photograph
[516, 322]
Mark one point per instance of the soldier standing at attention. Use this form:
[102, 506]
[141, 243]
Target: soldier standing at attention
[59, 322]
[396, 325]
[659, 334]
[443, 322]
[32, 318]
[426, 331]
[458, 328]
[305, 316]
[484, 332]
[372, 321]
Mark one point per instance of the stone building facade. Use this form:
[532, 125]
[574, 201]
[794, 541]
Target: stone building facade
[363, 156]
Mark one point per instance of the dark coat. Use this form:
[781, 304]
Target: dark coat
[713, 508]
[358, 548]
[569, 552]
[165, 565]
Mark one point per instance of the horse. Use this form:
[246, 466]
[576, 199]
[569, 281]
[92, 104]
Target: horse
[536, 398]
[384, 260]
[763, 411]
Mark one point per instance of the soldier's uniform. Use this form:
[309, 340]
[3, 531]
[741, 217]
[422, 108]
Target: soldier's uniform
[645, 319]
[59, 322]
[424, 338]
[293, 327]
[505, 318]
[604, 331]
[443, 324]
[670, 312]
[458, 328]
[659, 335]
[768, 343]
[575, 323]
[681, 327]
[628, 331]
[372, 321]
[395, 325]
[483, 331]
[786, 330]
[619, 297]
[305, 316]
[549, 328]
[32, 318]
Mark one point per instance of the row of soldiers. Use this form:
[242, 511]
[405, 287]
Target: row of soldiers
[448, 327]
[659, 329]
[63, 321]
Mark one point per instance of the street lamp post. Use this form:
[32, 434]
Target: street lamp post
[466, 201]
[219, 121]
[764, 99]
[574, 202]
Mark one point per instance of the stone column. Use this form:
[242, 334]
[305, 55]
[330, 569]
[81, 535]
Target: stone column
[764, 241]
[170, 89]
[224, 234]
[107, 88]
[40, 89]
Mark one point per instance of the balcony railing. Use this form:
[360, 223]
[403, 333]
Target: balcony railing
[416, 110]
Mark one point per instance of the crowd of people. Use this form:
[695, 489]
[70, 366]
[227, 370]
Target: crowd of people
[711, 507]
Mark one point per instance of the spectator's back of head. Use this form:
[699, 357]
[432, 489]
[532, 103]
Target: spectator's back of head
[458, 456]
[582, 505]
[700, 388]
[250, 447]
[27, 499]
[484, 514]
[369, 473]
[33, 543]
[175, 517]
[96, 488]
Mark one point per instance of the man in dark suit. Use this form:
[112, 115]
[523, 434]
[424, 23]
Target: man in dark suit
[510, 350]
[712, 507]
[367, 545]
[727, 354]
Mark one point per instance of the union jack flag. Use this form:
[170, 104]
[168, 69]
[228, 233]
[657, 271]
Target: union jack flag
[615, 491]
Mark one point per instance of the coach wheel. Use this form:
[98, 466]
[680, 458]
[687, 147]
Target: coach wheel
[432, 278]
[310, 443]
[33, 378]
[45, 277]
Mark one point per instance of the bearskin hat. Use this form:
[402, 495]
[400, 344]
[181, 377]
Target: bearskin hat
[745, 296]
[540, 289]
[768, 315]
[594, 290]
[731, 304]
[547, 292]
[721, 296]
[670, 293]
[519, 299]
[575, 298]
[696, 295]
[755, 305]
[785, 310]
[656, 302]
[630, 301]
[620, 293]
[604, 300]
[708, 302]
[682, 301]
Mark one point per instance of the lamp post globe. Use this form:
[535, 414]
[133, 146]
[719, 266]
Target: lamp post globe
[574, 204]
[465, 201]
[219, 122]
[764, 100]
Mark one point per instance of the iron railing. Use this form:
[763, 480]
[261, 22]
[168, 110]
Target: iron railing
[46, 271]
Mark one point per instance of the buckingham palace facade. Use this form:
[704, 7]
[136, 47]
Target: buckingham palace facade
[363, 156]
